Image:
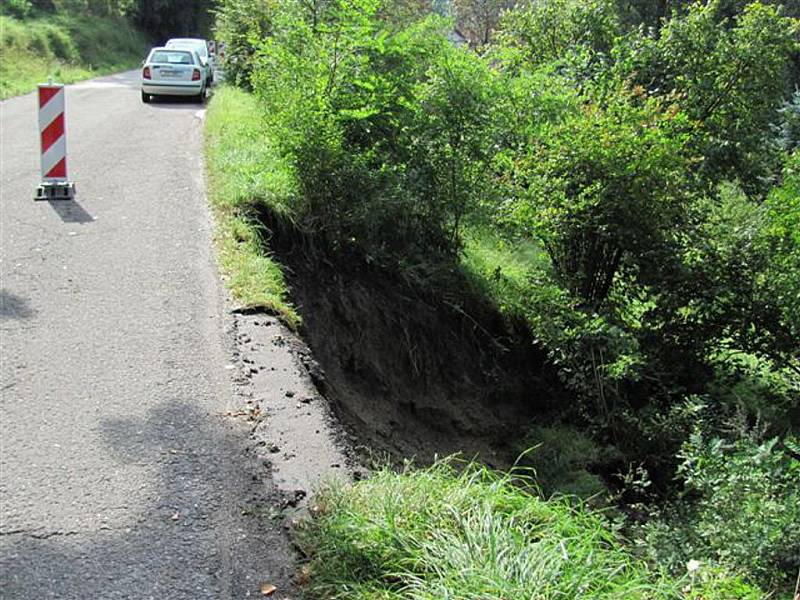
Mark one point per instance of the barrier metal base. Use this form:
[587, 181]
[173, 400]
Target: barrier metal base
[60, 190]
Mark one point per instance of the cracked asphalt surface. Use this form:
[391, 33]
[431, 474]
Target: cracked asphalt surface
[122, 474]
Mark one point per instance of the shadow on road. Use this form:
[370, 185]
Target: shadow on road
[189, 532]
[14, 307]
[69, 211]
[178, 102]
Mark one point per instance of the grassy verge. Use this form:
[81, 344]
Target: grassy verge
[472, 534]
[66, 48]
[242, 171]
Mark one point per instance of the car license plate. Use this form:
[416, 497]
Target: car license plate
[167, 73]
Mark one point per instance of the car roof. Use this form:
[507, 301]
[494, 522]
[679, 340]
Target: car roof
[198, 45]
[186, 41]
[168, 49]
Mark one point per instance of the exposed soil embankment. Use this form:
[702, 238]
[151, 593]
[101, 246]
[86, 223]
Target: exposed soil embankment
[412, 371]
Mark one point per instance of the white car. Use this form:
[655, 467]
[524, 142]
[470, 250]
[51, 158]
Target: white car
[173, 72]
[201, 47]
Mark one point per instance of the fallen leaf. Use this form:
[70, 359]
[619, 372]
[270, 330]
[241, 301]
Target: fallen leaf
[267, 589]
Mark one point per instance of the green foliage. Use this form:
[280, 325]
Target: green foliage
[624, 186]
[65, 47]
[160, 19]
[651, 272]
[164, 19]
[781, 235]
[741, 509]
[17, 8]
[654, 13]
[571, 31]
[789, 126]
[386, 129]
[560, 457]
[730, 78]
[500, 269]
[243, 171]
[436, 533]
[242, 25]
[755, 385]
[605, 186]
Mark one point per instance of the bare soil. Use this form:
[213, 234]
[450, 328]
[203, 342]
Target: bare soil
[411, 372]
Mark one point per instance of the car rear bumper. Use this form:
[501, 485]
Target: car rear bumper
[172, 89]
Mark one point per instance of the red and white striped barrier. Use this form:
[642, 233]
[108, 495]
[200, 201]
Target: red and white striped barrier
[53, 137]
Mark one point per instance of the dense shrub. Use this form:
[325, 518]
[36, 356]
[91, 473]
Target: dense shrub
[387, 130]
[561, 458]
[573, 32]
[242, 25]
[16, 8]
[626, 186]
[741, 509]
[730, 75]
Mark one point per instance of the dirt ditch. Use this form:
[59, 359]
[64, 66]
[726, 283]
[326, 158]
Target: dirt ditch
[411, 372]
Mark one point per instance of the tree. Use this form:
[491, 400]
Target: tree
[580, 31]
[605, 188]
[731, 79]
[164, 19]
[477, 19]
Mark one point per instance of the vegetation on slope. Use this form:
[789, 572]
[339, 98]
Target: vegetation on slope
[437, 533]
[64, 47]
[624, 187]
[243, 170]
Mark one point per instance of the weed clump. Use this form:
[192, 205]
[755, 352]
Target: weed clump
[465, 532]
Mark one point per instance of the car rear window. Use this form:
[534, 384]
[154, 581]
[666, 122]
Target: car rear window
[172, 57]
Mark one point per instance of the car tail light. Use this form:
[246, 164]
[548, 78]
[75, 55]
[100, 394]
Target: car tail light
[196, 75]
[146, 73]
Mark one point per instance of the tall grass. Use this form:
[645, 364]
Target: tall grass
[472, 534]
[243, 171]
[500, 270]
[64, 47]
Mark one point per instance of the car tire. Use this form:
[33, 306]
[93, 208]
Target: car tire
[146, 98]
[201, 97]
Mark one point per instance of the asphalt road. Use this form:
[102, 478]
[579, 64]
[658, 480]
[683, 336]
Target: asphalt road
[122, 474]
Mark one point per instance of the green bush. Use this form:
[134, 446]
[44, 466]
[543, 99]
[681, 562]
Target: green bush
[731, 77]
[242, 25]
[62, 46]
[741, 509]
[387, 130]
[781, 239]
[437, 533]
[574, 32]
[627, 192]
[17, 8]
